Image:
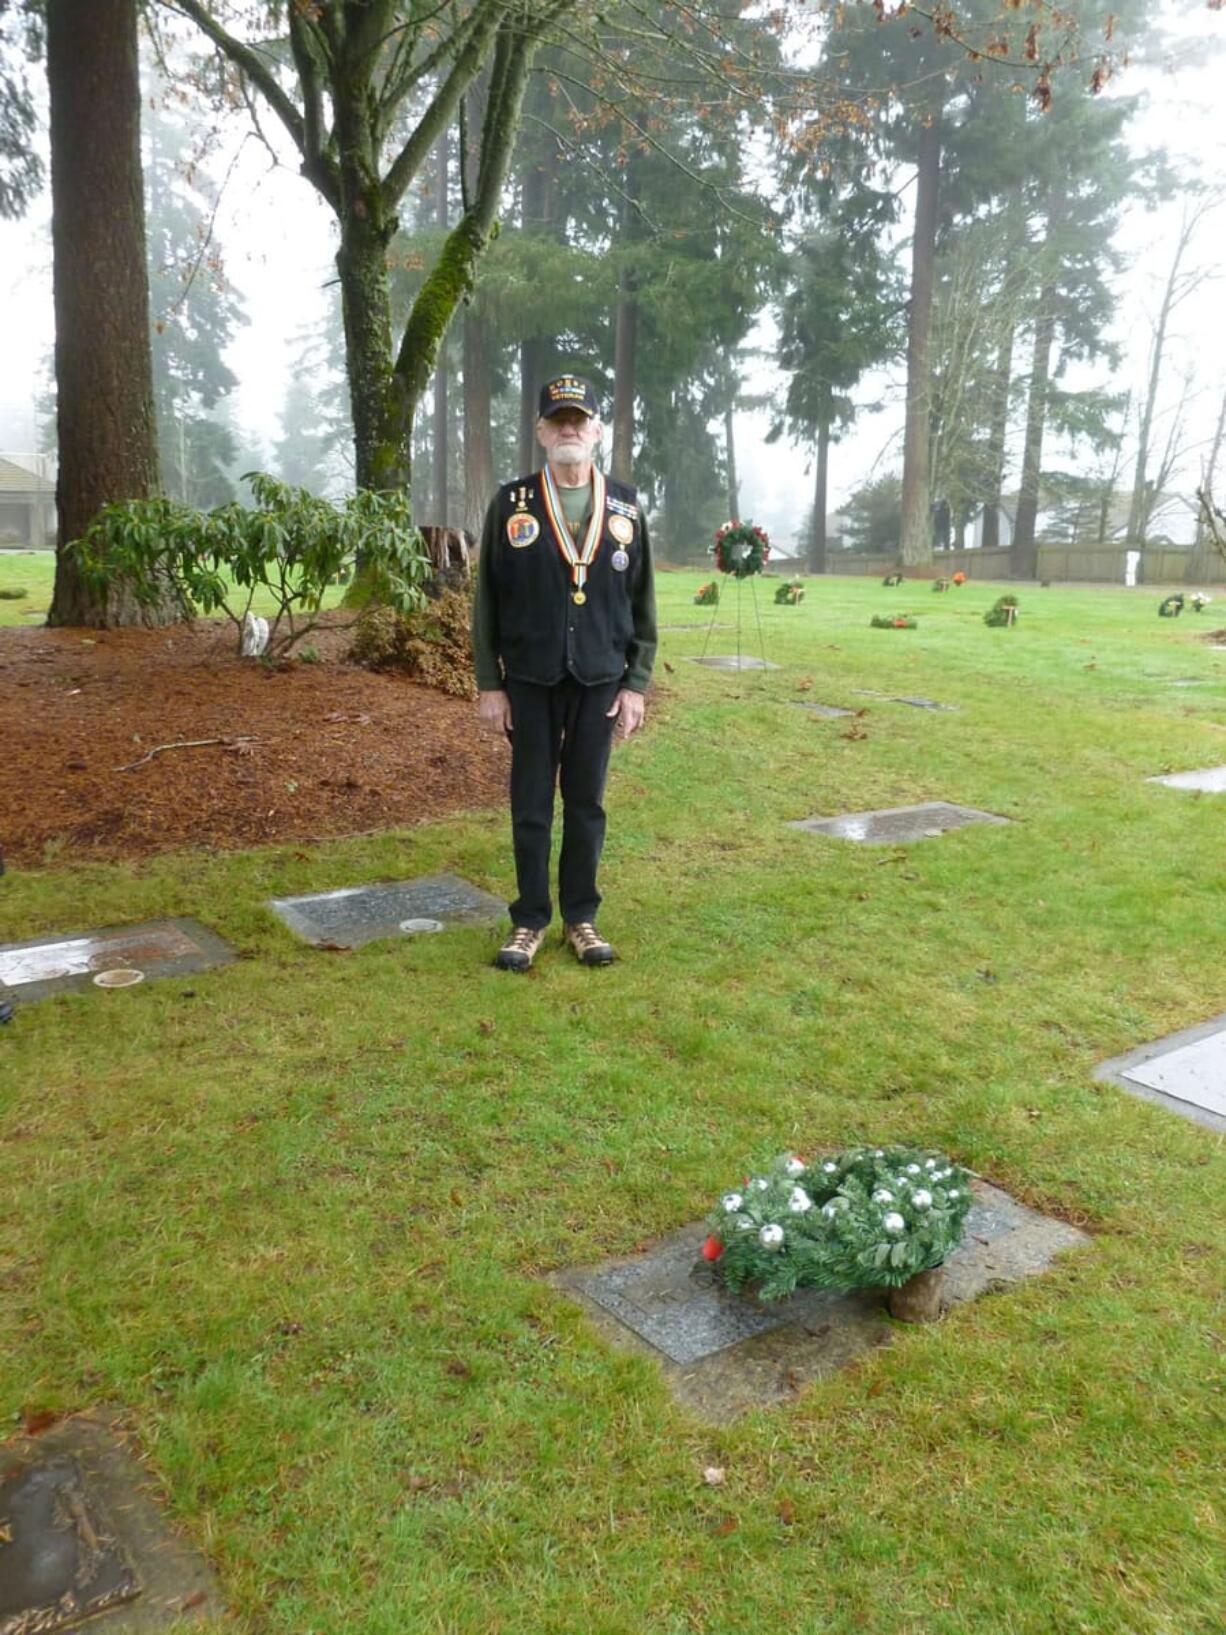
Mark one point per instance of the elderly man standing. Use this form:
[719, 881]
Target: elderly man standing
[564, 637]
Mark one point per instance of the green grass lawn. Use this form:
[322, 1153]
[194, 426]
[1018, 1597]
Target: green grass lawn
[293, 1214]
[34, 572]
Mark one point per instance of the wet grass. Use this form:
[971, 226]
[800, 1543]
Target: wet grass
[292, 1214]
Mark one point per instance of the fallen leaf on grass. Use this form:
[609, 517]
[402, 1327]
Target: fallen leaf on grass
[714, 1475]
[804, 684]
[196, 1599]
[723, 1528]
[35, 1421]
[854, 732]
[669, 668]
[787, 1512]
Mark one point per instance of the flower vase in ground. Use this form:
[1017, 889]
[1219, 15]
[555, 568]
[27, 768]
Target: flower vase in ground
[921, 1299]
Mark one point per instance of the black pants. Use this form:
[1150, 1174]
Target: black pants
[560, 728]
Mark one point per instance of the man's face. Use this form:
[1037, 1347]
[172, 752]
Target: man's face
[568, 437]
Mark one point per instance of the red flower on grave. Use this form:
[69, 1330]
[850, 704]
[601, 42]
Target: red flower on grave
[712, 1249]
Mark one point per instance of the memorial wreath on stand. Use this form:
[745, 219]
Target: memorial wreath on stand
[870, 1217]
[741, 548]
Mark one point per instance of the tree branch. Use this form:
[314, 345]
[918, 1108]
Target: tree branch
[484, 20]
[249, 62]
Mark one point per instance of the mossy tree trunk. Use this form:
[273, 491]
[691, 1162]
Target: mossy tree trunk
[380, 425]
[103, 367]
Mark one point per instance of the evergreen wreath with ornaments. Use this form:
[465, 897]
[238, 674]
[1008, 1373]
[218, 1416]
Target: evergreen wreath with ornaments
[871, 1217]
[741, 548]
[892, 621]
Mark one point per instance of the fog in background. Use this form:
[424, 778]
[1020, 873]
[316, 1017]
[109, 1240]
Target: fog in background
[278, 240]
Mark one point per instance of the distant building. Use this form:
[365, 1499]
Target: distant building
[27, 502]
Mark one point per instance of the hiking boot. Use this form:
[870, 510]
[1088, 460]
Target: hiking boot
[519, 950]
[589, 946]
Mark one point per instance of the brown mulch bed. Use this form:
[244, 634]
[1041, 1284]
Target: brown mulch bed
[332, 749]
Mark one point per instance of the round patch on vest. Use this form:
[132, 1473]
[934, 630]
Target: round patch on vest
[621, 528]
[620, 561]
[522, 529]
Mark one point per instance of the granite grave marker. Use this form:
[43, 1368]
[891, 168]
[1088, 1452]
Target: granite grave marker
[893, 824]
[358, 914]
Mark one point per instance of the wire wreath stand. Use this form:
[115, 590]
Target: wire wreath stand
[742, 549]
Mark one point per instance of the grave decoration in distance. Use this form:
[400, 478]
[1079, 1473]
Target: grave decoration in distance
[790, 594]
[940, 585]
[892, 579]
[871, 1217]
[1199, 601]
[1171, 606]
[959, 578]
[892, 621]
[1003, 613]
[707, 595]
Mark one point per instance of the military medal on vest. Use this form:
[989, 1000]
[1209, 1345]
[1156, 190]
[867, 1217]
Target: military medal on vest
[580, 558]
[522, 527]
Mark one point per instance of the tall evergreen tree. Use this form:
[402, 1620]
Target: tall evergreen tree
[103, 368]
[839, 318]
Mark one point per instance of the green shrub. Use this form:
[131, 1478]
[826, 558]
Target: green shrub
[290, 543]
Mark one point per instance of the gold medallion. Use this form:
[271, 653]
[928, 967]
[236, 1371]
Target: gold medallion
[579, 598]
[621, 528]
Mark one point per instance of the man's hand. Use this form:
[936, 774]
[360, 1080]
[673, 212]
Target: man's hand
[628, 708]
[494, 710]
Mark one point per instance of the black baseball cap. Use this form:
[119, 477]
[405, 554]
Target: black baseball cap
[568, 392]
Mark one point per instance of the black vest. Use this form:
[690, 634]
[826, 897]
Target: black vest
[543, 633]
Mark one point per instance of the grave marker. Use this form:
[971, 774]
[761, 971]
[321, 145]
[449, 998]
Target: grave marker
[734, 661]
[359, 914]
[1212, 781]
[722, 1353]
[157, 948]
[891, 825]
[1185, 1073]
[81, 1537]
